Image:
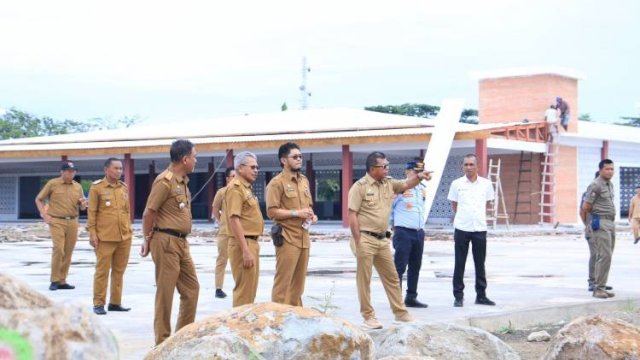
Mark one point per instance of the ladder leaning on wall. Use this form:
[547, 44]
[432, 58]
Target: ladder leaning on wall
[497, 209]
[548, 184]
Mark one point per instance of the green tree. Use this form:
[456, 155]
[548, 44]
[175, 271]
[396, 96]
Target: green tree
[585, 117]
[423, 111]
[284, 106]
[631, 121]
[20, 124]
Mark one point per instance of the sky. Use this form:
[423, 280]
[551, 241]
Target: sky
[174, 61]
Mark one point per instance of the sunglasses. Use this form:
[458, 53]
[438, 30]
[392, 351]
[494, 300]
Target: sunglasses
[296, 157]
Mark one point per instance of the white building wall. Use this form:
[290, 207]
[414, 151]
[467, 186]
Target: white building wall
[8, 197]
[588, 159]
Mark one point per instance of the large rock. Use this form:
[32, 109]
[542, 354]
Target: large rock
[596, 337]
[440, 341]
[65, 331]
[270, 331]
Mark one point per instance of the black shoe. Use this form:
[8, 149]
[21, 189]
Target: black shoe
[412, 301]
[636, 240]
[458, 302]
[593, 287]
[99, 310]
[65, 287]
[484, 301]
[114, 307]
[220, 294]
[54, 286]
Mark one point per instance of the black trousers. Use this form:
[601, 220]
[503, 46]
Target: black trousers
[408, 245]
[478, 240]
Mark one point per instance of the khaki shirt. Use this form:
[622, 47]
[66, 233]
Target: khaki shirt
[600, 196]
[372, 200]
[108, 214]
[634, 207]
[63, 197]
[240, 201]
[223, 229]
[171, 199]
[288, 191]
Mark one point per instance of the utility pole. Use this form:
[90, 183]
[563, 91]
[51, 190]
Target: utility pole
[304, 93]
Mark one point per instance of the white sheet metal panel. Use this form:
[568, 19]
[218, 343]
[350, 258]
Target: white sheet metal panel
[437, 154]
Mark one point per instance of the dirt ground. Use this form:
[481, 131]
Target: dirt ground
[517, 339]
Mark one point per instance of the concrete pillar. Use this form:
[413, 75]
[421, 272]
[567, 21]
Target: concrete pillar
[604, 151]
[152, 174]
[229, 158]
[347, 180]
[311, 176]
[211, 190]
[483, 156]
[129, 178]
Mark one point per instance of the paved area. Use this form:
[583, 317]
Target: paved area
[527, 267]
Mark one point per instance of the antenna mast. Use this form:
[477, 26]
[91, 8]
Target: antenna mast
[304, 93]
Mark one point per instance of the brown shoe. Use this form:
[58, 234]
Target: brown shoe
[372, 323]
[403, 318]
[600, 294]
[610, 294]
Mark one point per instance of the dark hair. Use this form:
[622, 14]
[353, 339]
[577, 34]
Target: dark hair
[228, 171]
[604, 162]
[471, 156]
[179, 149]
[372, 159]
[108, 162]
[597, 174]
[285, 149]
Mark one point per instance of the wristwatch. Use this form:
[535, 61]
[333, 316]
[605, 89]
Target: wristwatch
[294, 213]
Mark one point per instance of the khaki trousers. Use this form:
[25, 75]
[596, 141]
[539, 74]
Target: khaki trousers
[114, 256]
[635, 225]
[291, 273]
[221, 260]
[373, 252]
[244, 292]
[174, 270]
[64, 234]
[605, 240]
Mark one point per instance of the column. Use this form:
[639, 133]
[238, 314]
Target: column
[347, 181]
[129, 178]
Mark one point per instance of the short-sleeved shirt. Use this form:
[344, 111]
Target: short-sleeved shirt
[634, 207]
[288, 191]
[171, 199]
[551, 115]
[371, 200]
[63, 197]
[240, 201]
[600, 196]
[218, 200]
[472, 197]
[408, 209]
[108, 214]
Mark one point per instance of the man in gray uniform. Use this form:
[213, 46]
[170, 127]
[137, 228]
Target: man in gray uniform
[601, 228]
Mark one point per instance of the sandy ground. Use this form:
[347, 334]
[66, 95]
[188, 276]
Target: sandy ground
[526, 267]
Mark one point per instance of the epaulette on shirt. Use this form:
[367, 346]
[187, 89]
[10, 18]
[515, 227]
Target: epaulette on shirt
[97, 182]
[168, 175]
[122, 183]
[362, 181]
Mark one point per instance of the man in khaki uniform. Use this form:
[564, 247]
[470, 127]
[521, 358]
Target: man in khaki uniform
[370, 201]
[109, 225]
[245, 223]
[289, 204]
[222, 239]
[64, 196]
[634, 215]
[166, 222]
[599, 203]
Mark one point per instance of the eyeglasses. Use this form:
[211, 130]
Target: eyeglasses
[385, 166]
[253, 167]
[296, 157]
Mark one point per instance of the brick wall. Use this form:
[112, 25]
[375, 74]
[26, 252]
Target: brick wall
[509, 171]
[515, 98]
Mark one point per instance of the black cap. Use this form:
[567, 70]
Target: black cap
[68, 165]
[414, 165]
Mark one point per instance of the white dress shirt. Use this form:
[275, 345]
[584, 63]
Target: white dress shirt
[472, 198]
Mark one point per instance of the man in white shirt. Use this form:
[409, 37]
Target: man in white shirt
[469, 196]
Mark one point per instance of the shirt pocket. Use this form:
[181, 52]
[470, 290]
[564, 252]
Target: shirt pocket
[290, 198]
[181, 202]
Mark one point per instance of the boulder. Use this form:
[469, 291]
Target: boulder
[596, 337]
[52, 331]
[269, 331]
[539, 336]
[440, 341]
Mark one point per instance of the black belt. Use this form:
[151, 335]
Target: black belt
[172, 233]
[375, 235]
[64, 217]
[408, 229]
[251, 237]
